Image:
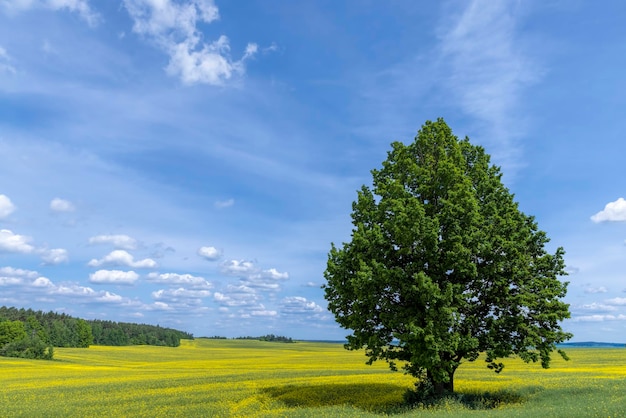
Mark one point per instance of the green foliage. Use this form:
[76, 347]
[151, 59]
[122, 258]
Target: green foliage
[442, 265]
[11, 331]
[29, 347]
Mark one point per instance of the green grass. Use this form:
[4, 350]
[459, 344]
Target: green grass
[221, 378]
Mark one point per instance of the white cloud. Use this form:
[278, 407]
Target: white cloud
[599, 318]
[179, 294]
[73, 289]
[598, 307]
[274, 274]
[613, 211]
[113, 277]
[108, 297]
[239, 268]
[13, 243]
[221, 204]
[6, 206]
[122, 258]
[61, 205]
[174, 279]
[54, 256]
[120, 241]
[173, 26]
[210, 253]
[42, 282]
[252, 276]
[616, 301]
[76, 6]
[300, 305]
[240, 296]
[13, 272]
[592, 290]
[261, 311]
[10, 276]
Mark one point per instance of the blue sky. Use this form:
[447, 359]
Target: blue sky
[189, 162]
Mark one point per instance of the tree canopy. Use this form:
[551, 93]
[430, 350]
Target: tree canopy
[442, 265]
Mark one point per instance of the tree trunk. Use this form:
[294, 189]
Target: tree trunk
[442, 388]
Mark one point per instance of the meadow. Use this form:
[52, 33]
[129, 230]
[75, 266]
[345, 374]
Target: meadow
[222, 378]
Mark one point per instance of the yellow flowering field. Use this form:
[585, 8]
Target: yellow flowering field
[222, 378]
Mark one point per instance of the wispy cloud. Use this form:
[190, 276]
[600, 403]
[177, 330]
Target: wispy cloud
[81, 7]
[4, 62]
[488, 67]
[221, 204]
[120, 241]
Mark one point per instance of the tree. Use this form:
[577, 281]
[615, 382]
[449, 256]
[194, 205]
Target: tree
[442, 265]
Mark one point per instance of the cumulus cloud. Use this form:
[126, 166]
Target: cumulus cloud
[175, 279]
[181, 296]
[6, 206]
[13, 272]
[54, 256]
[173, 26]
[108, 297]
[613, 212]
[10, 276]
[14, 243]
[221, 204]
[180, 292]
[73, 289]
[300, 305]
[253, 276]
[61, 205]
[616, 301]
[122, 258]
[210, 253]
[119, 241]
[113, 277]
[81, 7]
[261, 311]
[241, 296]
[239, 268]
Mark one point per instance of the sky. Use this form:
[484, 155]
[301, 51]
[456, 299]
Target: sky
[188, 163]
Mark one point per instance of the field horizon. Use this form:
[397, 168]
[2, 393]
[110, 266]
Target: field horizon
[205, 377]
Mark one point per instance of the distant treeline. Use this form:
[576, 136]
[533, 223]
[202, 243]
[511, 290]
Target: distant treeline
[33, 334]
[123, 333]
[268, 337]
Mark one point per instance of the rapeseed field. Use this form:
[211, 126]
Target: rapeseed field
[242, 378]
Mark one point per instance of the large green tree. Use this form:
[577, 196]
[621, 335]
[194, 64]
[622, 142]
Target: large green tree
[442, 265]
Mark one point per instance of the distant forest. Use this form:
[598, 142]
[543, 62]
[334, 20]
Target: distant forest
[34, 334]
[268, 337]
